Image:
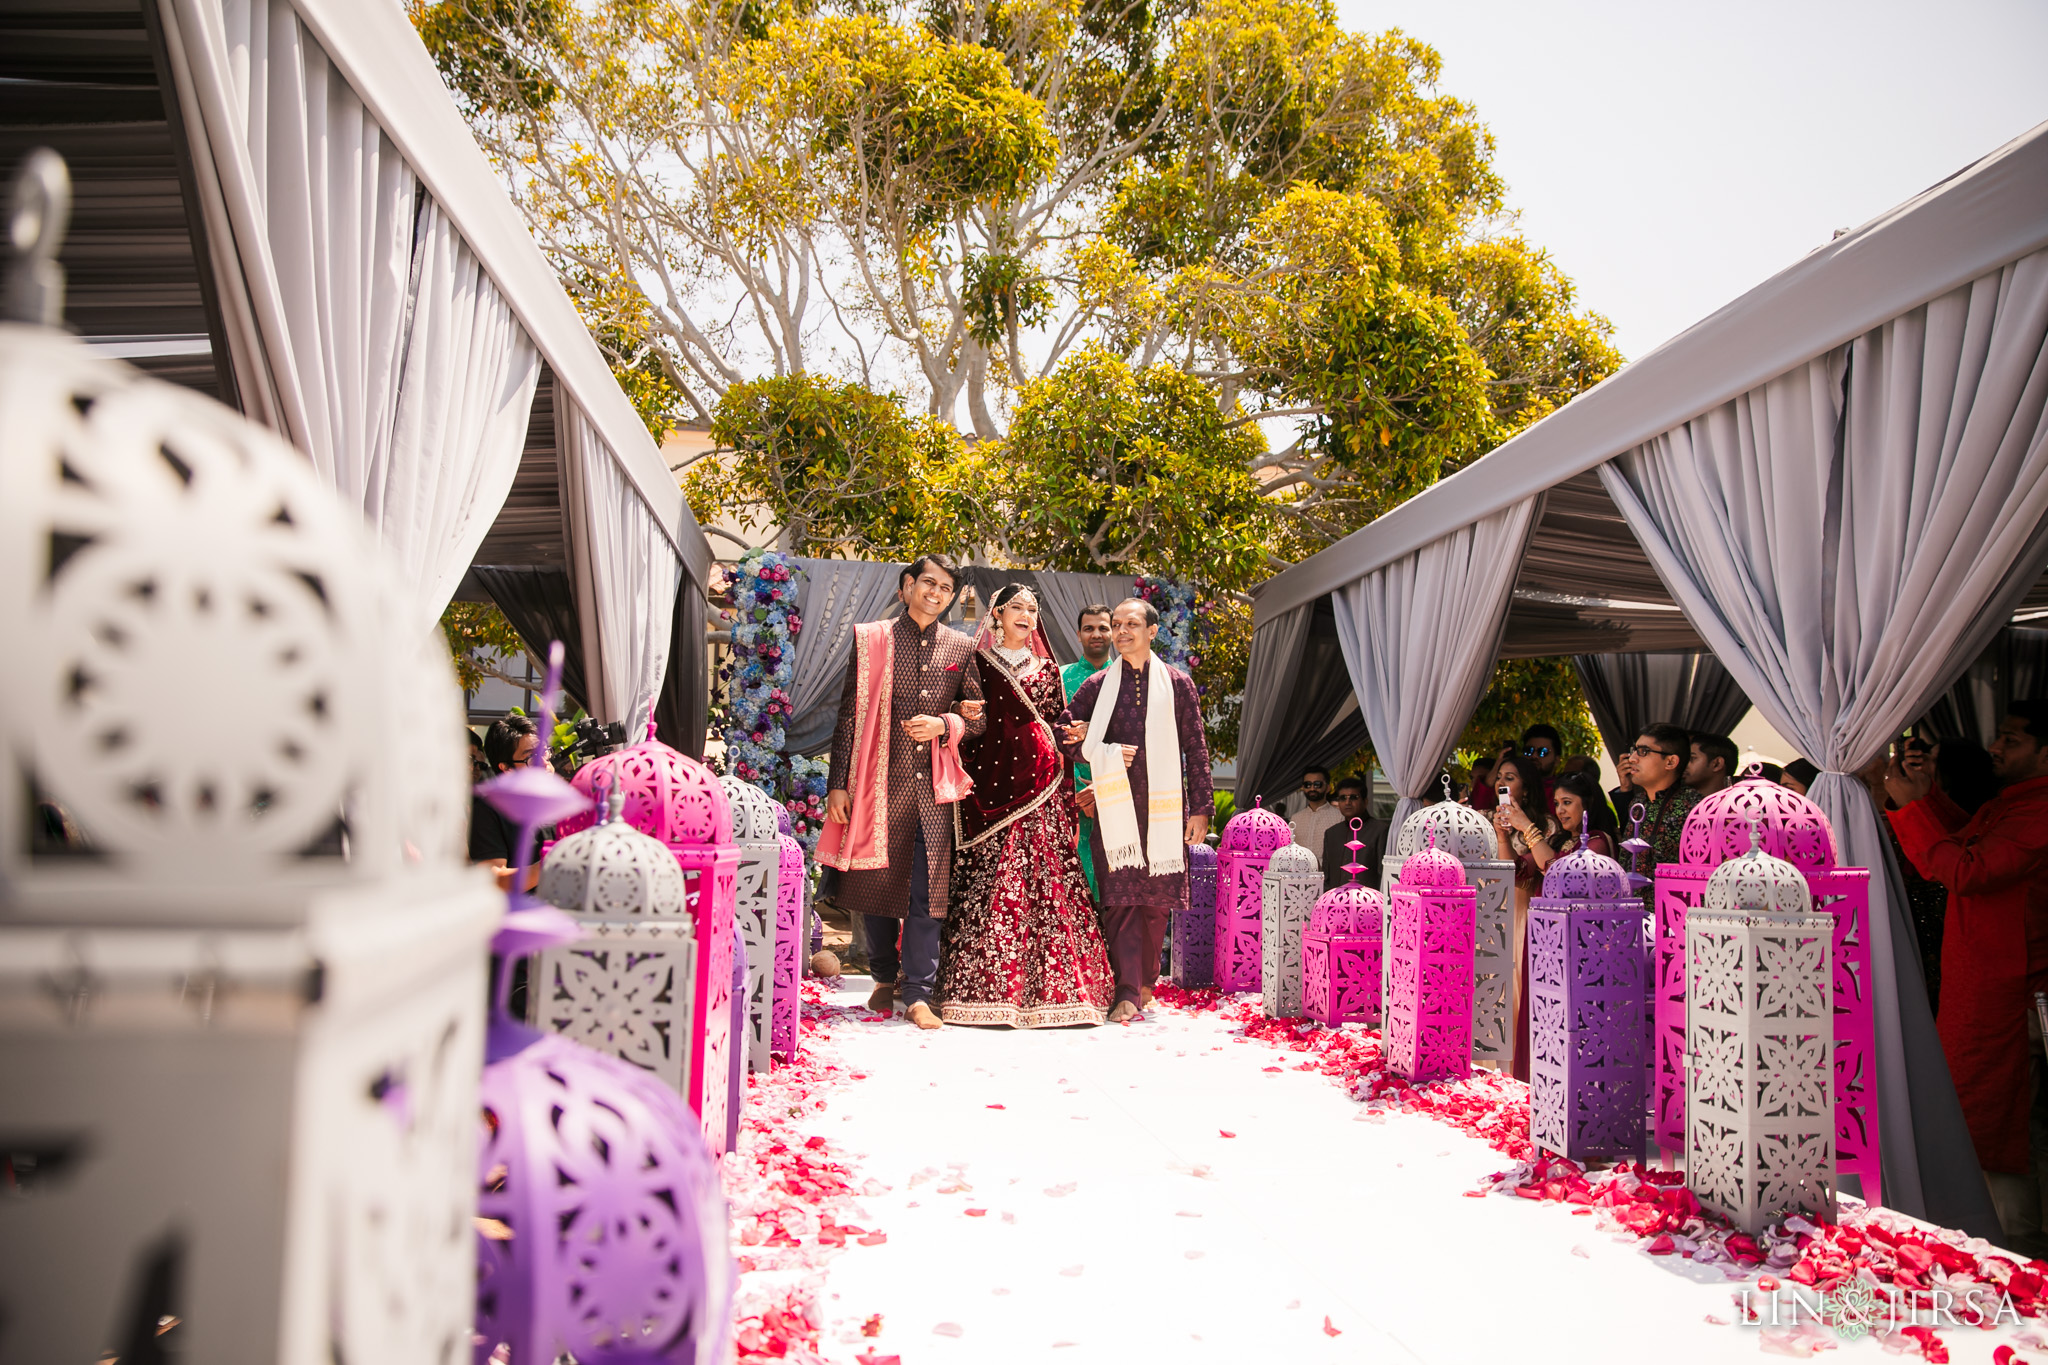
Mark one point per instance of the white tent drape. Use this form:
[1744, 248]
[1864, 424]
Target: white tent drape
[464, 399]
[358, 324]
[1419, 637]
[1846, 560]
[626, 571]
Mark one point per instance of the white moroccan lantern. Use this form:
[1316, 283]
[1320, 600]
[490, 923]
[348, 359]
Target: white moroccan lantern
[1760, 1103]
[1287, 892]
[760, 843]
[628, 986]
[242, 961]
[1468, 836]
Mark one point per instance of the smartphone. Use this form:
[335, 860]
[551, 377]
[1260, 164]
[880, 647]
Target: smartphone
[1505, 793]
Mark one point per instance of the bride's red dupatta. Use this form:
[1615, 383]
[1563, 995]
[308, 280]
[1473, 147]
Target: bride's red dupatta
[1015, 762]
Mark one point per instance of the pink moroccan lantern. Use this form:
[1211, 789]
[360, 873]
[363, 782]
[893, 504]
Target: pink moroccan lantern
[789, 929]
[1430, 950]
[679, 801]
[1249, 842]
[1790, 827]
[1340, 952]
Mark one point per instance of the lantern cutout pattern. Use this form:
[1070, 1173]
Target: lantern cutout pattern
[1287, 892]
[789, 947]
[1796, 830]
[757, 908]
[1589, 956]
[1428, 1033]
[1341, 950]
[1191, 935]
[210, 667]
[1249, 841]
[677, 801]
[625, 987]
[1760, 1105]
[1469, 837]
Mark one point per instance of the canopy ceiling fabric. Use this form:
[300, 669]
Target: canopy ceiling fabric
[1846, 546]
[1984, 217]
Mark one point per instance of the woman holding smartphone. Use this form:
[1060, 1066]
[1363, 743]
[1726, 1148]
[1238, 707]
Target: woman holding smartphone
[1527, 836]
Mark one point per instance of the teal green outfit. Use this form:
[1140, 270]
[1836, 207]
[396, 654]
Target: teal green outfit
[1071, 678]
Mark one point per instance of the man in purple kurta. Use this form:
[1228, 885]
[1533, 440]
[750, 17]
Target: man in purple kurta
[1135, 902]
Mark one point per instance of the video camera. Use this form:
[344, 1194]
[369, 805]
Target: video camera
[594, 737]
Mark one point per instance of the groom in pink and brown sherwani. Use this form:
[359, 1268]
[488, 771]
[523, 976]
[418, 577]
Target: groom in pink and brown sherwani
[912, 692]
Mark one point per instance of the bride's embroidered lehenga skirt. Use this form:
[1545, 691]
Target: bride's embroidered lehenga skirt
[1022, 946]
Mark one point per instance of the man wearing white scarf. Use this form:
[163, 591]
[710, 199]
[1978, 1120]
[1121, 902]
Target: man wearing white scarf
[1138, 725]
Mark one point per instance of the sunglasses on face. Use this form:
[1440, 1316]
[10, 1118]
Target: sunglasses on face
[1645, 751]
[1536, 751]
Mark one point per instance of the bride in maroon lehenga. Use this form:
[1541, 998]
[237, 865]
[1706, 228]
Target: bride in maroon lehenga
[1022, 946]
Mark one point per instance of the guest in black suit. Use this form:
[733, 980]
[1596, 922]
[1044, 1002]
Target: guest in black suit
[1372, 833]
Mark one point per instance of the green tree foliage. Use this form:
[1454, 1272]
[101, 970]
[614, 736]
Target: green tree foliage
[840, 469]
[481, 641]
[1525, 692]
[1108, 467]
[954, 200]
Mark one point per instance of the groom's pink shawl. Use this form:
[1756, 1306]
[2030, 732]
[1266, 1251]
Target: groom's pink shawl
[862, 843]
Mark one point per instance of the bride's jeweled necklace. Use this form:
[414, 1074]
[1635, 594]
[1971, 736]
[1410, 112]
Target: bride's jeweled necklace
[1021, 662]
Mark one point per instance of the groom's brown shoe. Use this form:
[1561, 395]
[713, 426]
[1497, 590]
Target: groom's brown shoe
[1124, 1012]
[883, 1001]
[921, 1015]
[1144, 997]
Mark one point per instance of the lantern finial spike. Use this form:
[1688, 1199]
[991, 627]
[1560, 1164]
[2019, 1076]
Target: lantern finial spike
[1354, 867]
[1446, 778]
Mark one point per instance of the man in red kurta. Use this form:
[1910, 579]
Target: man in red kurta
[1994, 945]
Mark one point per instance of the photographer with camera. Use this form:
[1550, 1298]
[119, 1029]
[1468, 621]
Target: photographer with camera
[493, 839]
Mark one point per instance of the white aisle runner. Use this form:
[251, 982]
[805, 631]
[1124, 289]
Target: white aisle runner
[1116, 1223]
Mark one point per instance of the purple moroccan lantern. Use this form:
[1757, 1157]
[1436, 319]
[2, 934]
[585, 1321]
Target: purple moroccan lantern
[789, 958]
[1589, 956]
[601, 1228]
[1191, 946]
[676, 799]
[1790, 827]
[1430, 949]
[1249, 842]
[1340, 953]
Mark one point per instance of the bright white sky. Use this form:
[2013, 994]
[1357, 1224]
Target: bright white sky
[1671, 156]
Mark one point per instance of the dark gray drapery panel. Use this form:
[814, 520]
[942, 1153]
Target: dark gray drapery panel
[1061, 595]
[682, 707]
[2014, 668]
[538, 601]
[1309, 716]
[833, 596]
[1688, 688]
[1269, 689]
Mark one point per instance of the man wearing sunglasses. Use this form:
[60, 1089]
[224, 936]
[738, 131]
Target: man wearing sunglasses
[1318, 815]
[1543, 747]
[1657, 762]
